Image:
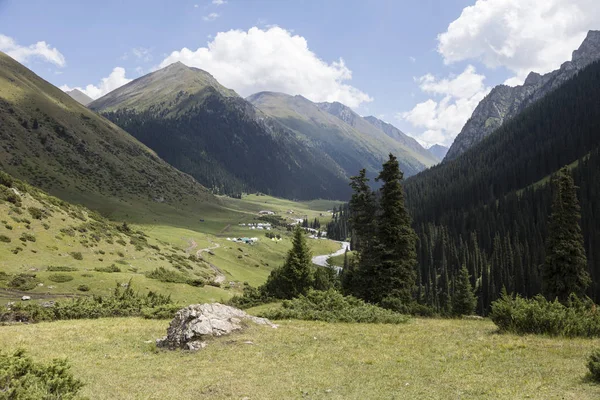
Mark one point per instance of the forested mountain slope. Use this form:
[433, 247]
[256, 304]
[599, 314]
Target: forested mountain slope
[222, 140]
[505, 102]
[51, 141]
[468, 211]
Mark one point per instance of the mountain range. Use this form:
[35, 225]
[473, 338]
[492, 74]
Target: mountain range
[270, 142]
[505, 102]
[351, 141]
[223, 141]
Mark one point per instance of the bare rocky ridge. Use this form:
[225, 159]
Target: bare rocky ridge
[194, 324]
[505, 102]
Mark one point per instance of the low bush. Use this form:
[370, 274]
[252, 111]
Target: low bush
[111, 268]
[60, 268]
[24, 282]
[77, 255]
[166, 311]
[251, 297]
[27, 237]
[164, 275]
[36, 213]
[122, 302]
[332, 306]
[22, 378]
[579, 317]
[60, 278]
[83, 288]
[4, 239]
[593, 365]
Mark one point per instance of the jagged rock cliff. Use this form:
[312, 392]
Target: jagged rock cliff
[505, 102]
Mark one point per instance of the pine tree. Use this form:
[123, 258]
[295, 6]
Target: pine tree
[295, 277]
[395, 274]
[565, 267]
[363, 209]
[464, 300]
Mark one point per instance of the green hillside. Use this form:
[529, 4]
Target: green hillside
[51, 141]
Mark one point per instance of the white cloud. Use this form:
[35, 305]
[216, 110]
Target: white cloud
[196, 6]
[210, 17]
[520, 35]
[219, 2]
[115, 80]
[456, 97]
[39, 50]
[412, 59]
[274, 60]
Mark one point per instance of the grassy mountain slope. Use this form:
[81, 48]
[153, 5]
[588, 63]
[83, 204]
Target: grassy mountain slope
[55, 143]
[348, 147]
[208, 131]
[50, 248]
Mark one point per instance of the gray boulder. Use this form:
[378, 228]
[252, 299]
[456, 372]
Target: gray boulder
[194, 324]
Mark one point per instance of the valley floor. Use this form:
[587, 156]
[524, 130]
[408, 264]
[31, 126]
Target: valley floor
[424, 359]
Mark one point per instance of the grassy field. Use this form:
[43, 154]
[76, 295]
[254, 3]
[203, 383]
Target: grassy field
[424, 359]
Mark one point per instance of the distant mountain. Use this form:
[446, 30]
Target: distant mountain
[79, 96]
[405, 144]
[219, 138]
[401, 137]
[504, 102]
[352, 147]
[53, 142]
[438, 151]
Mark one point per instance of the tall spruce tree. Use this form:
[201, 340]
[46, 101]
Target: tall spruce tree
[464, 300]
[360, 277]
[295, 277]
[395, 274]
[565, 267]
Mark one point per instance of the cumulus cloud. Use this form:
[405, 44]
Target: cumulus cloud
[210, 17]
[39, 50]
[521, 35]
[219, 2]
[273, 60]
[456, 97]
[115, 80]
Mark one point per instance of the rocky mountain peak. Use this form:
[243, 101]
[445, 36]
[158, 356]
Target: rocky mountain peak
[504, 103]
[532, 79]
[589, 49]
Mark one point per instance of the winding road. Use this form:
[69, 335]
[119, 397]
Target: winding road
[322, 260]
[220, 276]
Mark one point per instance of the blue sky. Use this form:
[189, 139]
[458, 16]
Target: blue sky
[420, 66]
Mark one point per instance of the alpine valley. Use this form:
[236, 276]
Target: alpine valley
[288, 246]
